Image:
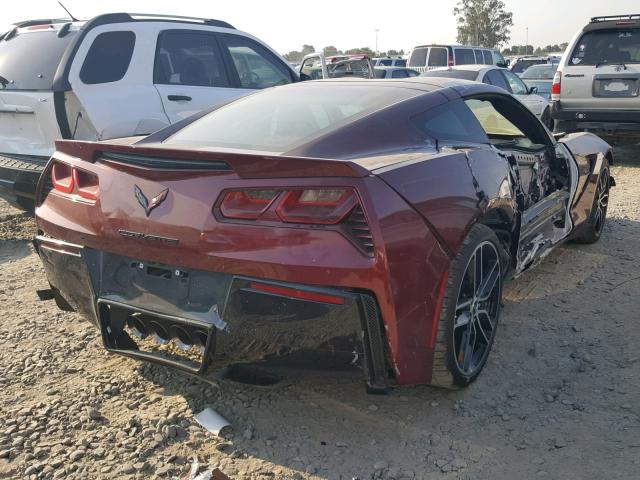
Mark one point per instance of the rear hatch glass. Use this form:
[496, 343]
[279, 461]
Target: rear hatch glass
[607, 46]
[29, 60]
[280, 119]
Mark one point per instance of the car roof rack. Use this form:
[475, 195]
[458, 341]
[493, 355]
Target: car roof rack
[609, 18]
[207, 21]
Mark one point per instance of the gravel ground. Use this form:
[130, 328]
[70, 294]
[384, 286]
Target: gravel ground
[559, 397]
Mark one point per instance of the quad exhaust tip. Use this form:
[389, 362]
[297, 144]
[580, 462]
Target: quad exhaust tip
[184, 339]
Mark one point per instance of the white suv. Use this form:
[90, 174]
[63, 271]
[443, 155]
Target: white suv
[116, 75]
[597, 84]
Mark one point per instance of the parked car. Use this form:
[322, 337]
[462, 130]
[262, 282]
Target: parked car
[377, 218]
[316, 66]
[503, 78]
[520, 64]
[597, 83]
[394, 72]
[428, 57]
[540, 77]
[389, 62]
[116, 75]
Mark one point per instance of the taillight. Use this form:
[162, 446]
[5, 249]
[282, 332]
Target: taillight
[336, 208]
[247, 204]
[317, 206]
[86, 184]
[450, 60]
[555, 86]
[67, 179]
[62, 177]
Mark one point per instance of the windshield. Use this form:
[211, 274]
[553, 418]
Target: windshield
[607, 46]
[29, 60]
[280, 119]
[540, 72]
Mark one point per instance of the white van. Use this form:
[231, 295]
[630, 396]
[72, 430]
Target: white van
[427, 57]
[117, 75]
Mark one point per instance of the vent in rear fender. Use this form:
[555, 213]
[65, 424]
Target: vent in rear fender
[162, 163]
[358, 230]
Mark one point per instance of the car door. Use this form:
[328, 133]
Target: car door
[534, 102]
[544, 175]
[190, 73]
[111, 93]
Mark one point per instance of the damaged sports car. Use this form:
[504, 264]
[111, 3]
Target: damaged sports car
[375, 218]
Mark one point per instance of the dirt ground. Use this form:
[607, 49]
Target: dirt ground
[559, 398]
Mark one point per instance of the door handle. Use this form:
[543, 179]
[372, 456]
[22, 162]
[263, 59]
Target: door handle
[179, 98]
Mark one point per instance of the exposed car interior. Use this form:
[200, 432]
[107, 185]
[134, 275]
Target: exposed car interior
[513, 131]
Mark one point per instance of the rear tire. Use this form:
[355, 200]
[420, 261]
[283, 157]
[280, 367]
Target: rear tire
[595, 224]
[470, 311]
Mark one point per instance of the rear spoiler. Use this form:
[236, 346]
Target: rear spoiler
[244, 165]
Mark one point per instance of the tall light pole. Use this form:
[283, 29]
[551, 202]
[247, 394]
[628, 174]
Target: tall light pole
[377, 30]
[526, 44]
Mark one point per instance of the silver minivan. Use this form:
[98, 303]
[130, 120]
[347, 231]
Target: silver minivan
[597, 84]
[427, 57]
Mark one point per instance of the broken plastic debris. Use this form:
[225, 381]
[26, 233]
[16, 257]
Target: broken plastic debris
[211, 420]
[214, 474]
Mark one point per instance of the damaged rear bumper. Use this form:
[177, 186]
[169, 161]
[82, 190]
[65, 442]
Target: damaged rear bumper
[202, 319]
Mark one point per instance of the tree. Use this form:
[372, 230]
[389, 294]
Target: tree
[330, 51]
[484, 23]
[362, 51]
[307, 49]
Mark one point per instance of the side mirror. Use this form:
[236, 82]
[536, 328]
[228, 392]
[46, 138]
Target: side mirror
[531, 90]
[502, 64]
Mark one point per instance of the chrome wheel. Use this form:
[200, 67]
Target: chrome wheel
[477, 309]
[602, 201]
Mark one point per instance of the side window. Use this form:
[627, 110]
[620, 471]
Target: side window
[486, 57]
[399, 74]
[478, 54]
[189, 58]
[450, 121]
[419, 57]
[386, 62]
[438, 57]
[464, 56]
[508, 123]
[517, 86]
[495, 77]
[255, 65]
[108, 58]
[401, 62]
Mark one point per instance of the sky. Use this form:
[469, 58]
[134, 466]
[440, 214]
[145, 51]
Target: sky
[285, 25]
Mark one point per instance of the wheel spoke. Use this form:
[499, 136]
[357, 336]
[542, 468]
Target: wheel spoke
[468, 348]
[482, 329]
[465, 304]
[488, 284]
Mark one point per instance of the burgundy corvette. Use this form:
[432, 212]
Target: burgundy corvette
[377, 218]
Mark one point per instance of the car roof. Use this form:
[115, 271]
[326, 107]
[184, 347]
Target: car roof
[453, 45]
[391, 67]
[471, 68]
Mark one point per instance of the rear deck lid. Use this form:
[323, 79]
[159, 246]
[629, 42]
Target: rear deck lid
[29, 58]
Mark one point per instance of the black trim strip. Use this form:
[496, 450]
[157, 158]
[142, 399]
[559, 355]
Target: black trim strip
[165, 163]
